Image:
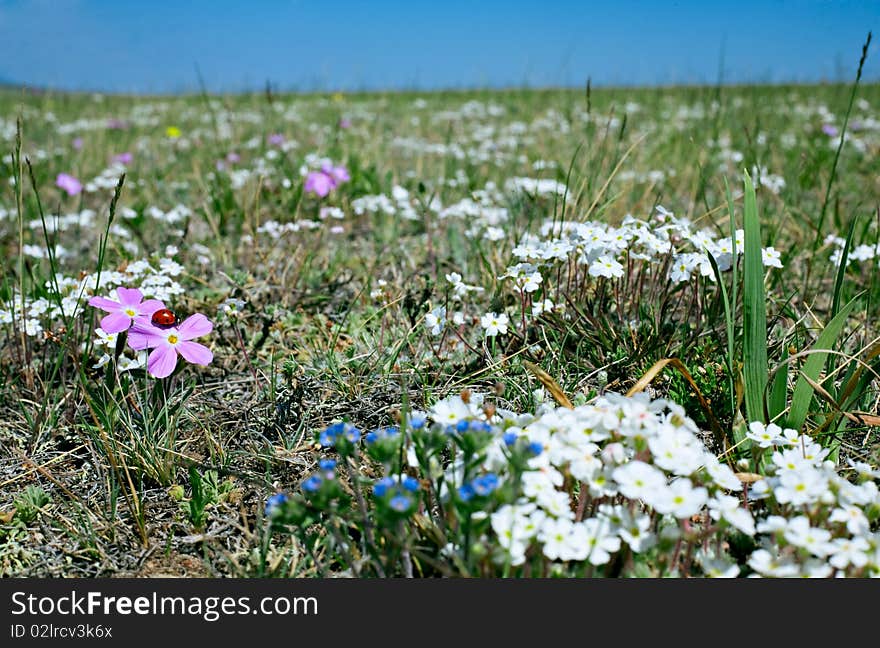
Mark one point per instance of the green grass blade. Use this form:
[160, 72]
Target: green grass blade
[841, 269]
[754, 310]
[778, 396]
[803, 391]
[728, 325]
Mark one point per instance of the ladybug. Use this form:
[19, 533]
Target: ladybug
[164, 318]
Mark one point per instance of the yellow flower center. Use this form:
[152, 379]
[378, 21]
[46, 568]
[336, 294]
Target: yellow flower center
[130, 312]
[172, 339]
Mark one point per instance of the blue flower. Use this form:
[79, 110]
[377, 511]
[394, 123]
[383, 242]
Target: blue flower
[327, 465]
[274, 503]
[484, 485]
[466, 492]
[480, 426]
[400, 503]
[381, 433]
[510, 438]
[462, 425]
[326, 439]
[417, 422]
[352, 433]
[411, 484]
[312, 484]
[329, 435]
[381, 487]
[536, 448]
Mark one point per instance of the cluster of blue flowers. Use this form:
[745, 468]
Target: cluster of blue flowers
[469, 425]
[337, 431]
[397, 492]
[481, 486]
[274, 504]
[533, 447]
[380, 434]
[327, 468]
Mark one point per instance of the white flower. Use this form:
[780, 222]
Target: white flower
[104, 359]
[856, 522]
[727, 508]
[436, 320]
[635, 531]
[771, 258]
[494, 324]
[773, 524]
[127, 364]
[765, 436]
[863, 469]
[509, 524]
[638, 480]
[106, 339]
[540, 307]
[766, 564]
[556, 536]
[606, 266]
[800, 487]
[801, 534]
[680, 499]
[715, 566]
[599, 539]
[530, 283]
[722, 474]
[849, 552]
[32, 327]
[450, 411]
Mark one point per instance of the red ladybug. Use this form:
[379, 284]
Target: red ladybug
[164, 318]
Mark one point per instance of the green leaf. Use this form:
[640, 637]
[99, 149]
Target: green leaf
[754, 310]
[803, 391]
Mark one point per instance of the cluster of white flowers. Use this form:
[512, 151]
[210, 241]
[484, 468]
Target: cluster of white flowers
[606, 249]
[822, 524]
[646, 478]
[276, 230]
[535, 186]
[401, 203]
[859, 253]
[156, 280]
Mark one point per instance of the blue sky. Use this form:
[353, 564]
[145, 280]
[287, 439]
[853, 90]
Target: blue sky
[156, 45]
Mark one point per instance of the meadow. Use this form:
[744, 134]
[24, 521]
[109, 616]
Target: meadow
[587, 332]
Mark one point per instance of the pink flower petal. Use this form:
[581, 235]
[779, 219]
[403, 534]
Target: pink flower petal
[116, 322]
[143, 335]
[105, 304]
[150, 306]
[195, 326]
[129, 296]
[195, 353]
[162, 361]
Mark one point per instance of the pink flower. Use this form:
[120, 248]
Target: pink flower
[78, 143]
[344, 123]
[123, 158]
[276, 139]
[324, 181]
[70, 184]
[168, 342]
[319, 183]
[338, 173]
[129, 308]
